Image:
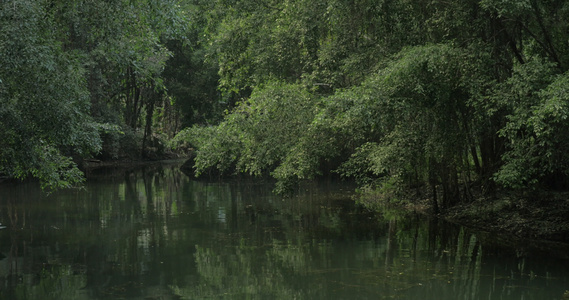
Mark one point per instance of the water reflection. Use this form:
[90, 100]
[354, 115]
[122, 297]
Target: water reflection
[153, 233]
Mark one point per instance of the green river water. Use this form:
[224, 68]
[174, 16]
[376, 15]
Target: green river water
[152, 232]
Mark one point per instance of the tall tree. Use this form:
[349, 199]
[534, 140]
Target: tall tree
[44, 100]
[77, 78]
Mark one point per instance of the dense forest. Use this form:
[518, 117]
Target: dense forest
[454, 98]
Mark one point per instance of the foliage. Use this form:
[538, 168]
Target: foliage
[73, 75]
[406, 120]
[192, 83]
[439, 95]
[257, 134]
[536, 128]
[44, 103]
[324, 44]
[435, 95]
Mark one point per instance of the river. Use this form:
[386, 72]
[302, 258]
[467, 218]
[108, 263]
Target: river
[151, 232]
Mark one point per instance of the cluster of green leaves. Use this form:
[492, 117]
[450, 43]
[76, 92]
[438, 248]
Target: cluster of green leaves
[44, 102]
[411, 117]
[256, 136]
[421, 93]
[426, 93]
[536, 128]
[191, 78]
[69, 73]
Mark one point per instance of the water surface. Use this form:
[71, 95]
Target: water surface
[153, 233]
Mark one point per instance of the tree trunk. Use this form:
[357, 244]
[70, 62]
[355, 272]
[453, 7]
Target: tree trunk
[433, 184]
[151, 99]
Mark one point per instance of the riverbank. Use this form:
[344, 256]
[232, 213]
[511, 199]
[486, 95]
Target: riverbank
[117, 168]
[539, 216]
[543, 216]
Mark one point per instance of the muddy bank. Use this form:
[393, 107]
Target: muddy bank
[97, 168]
[540, 217]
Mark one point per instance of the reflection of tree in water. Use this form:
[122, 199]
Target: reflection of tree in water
[29, 270]
[437, 260]
[276, 248]
[80, 240]
[155, 233]
[414, 259]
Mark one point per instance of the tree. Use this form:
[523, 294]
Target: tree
[437, 95]
[255, 137]
[410, 122]
[536, 153]
[191, 76]
[79, 78]
[44, 101]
